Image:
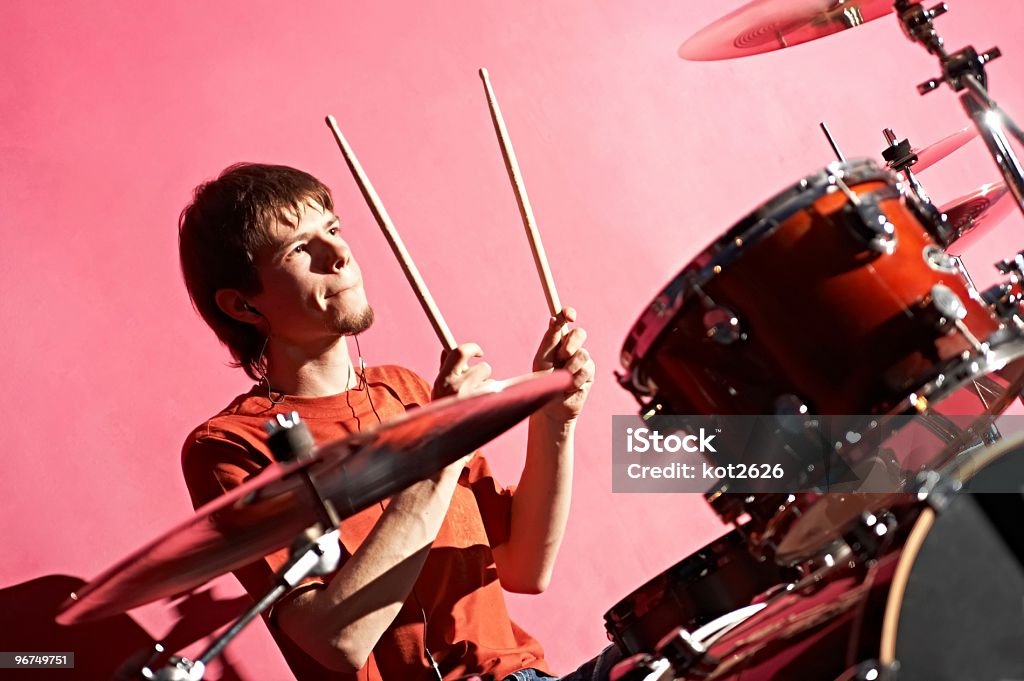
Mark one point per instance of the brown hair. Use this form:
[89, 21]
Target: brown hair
[220, 233]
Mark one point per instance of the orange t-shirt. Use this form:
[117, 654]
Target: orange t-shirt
[468, 628]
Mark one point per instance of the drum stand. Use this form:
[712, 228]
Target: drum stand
[965, 70]
[315, 552]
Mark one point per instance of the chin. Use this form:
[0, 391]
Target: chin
[356, 322]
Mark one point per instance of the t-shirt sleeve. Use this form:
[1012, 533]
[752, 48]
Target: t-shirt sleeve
[493, 500]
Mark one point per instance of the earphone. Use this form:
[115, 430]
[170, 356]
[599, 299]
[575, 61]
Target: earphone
[252, 309]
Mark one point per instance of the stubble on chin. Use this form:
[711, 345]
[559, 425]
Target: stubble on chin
[354, 322]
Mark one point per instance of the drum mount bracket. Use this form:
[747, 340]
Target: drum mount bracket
[964, 70]
[1005, 298]
[935, 489]
[867, 219]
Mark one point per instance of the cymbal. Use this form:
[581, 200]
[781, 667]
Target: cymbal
[983, 208]
[767, 25]
[935, 152]
[271, 510]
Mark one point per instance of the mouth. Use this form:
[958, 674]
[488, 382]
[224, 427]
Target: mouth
[341, 290]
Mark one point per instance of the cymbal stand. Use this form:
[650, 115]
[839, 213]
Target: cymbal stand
[965, 70]
[316, 552]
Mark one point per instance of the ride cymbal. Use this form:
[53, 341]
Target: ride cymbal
[978, 211]
[767, 25]
[935, 152]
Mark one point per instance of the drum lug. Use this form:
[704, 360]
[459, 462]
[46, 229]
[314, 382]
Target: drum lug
[951, 311]
[947, 304]
[871, 670]
[722, 325]
[868, 537]
[935, 489]
[871, 224]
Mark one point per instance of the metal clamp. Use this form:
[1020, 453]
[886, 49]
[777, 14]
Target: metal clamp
[935, 489]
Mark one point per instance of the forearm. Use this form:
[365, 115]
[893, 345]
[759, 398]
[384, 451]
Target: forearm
[340, 624]
[540, 507]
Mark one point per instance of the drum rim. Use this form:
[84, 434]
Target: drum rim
[922, 527]
[960, 471]
[755, 226]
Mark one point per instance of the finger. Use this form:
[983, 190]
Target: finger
[582, 378]
[571, 344]
[474, 378]
[479, 372]
[579, 362]
[458, 359]
[554, 333]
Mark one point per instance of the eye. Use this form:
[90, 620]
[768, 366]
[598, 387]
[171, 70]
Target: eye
[301, 248]
[334, 231]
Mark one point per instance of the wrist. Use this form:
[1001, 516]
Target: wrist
[554, 426]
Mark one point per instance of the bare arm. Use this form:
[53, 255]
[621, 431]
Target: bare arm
[540, 505]
[340, 624]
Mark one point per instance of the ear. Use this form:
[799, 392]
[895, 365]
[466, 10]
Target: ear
[235, 305]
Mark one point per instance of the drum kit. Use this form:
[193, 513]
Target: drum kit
[922, 583]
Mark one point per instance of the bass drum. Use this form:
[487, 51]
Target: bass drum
[941, 601]
[956, 606]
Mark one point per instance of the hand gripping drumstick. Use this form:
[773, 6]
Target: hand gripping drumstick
[512, 166]
[444, 334]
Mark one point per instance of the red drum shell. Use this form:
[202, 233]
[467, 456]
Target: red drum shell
[719, 578]
[828, 323]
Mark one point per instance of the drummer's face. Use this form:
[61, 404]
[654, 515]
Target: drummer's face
[312, 285]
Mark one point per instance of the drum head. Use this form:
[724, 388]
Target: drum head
[962, 611]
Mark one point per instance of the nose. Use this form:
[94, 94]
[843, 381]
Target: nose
[340, 254]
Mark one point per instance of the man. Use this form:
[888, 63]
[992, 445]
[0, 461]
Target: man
[419, 591]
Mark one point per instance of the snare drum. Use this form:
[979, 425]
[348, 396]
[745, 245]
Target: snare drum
[718, 579]
[831, 298]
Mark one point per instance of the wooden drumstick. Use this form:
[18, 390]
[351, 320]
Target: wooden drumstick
[444, 334]
[525, 210]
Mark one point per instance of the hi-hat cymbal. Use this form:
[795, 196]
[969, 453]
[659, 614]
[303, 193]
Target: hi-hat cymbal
[270, 511]
[935, 152]
[767, 25]
[978, 211]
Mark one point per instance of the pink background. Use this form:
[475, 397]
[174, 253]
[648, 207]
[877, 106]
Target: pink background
[634, 160]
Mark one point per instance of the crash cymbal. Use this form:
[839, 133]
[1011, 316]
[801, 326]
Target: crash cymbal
[270, 511]
[933, 153]
[766, 25]
[985, 207]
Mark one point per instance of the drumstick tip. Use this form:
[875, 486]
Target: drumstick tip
[483, 73]
[331, 120]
